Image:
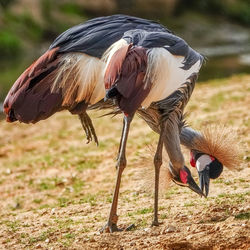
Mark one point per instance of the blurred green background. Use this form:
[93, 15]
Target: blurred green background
[217, 29]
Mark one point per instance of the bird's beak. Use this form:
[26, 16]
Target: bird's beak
[194, 187]
[204, 180]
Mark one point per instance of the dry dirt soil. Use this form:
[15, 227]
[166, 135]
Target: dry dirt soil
[56, 191]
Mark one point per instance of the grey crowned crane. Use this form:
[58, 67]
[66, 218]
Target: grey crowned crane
[120, 62]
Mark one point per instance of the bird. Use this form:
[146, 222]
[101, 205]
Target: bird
[129, 64]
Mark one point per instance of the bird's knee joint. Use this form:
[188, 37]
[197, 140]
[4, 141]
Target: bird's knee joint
[157, 161]
[121, 164]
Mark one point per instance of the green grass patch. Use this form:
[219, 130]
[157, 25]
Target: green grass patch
[218, 181]
[242, 216]
[37, 201]
[64, 223]
[63, 201]
[69, 236]
[170, 192]
[78, 185]
[215, 102]
[232, 198]
[47, 184]
[87, 164]
[42, 237]
[145, 211]
[189, 204]
[13, 226]
[89, 198]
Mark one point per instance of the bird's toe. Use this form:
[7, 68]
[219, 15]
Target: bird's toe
[155, 223]
[111, 228]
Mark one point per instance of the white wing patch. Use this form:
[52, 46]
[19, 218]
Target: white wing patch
[80, 77]
[165, 73]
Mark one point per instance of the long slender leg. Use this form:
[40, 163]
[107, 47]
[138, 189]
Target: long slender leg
[157, 164]
[121, 164]
[119, 150]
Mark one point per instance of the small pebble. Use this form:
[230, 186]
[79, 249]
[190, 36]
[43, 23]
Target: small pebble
[245, 157]
[47, 240]
[53, 210]
[92, 239]
[170, 229]
[8, 171]
[17, 205]
[73, 175]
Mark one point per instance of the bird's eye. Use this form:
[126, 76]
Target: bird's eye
[202, 162]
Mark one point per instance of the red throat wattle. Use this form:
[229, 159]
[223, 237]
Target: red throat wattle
[183, 176]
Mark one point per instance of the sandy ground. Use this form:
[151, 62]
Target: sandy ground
[56, 191]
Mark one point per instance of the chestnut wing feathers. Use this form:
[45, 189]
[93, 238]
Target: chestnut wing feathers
[124, 80]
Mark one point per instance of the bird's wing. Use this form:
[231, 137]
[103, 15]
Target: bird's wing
[96, 35]
[114, 68]
[158, 39]
[124, 78]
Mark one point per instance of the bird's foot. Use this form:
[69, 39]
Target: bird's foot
[111, 228]
[156, 223]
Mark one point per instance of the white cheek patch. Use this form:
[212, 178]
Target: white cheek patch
[202, 162]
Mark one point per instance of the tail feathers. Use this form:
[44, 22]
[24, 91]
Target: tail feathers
[218, 141]
[31, 96]
[36, 71]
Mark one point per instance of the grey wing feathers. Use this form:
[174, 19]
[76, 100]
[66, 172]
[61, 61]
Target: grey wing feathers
[158, 39]
[95, 36]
